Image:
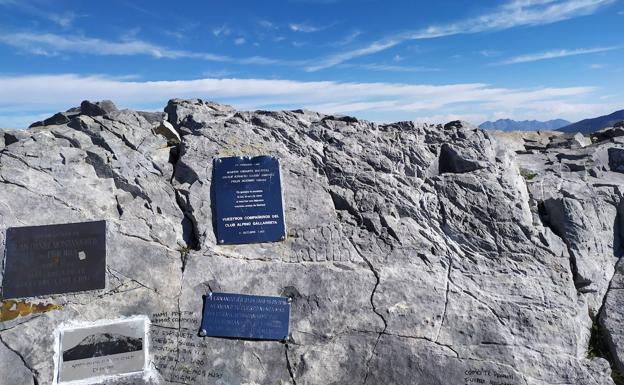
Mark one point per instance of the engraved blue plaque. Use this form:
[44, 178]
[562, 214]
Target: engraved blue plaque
[248, 200]
[246, 316]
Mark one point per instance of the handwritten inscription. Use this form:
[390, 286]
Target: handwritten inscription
[180, 355]
[488, 377]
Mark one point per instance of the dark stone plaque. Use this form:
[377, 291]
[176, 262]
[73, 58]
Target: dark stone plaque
[248, 197]
[54, 259]
[246, 316]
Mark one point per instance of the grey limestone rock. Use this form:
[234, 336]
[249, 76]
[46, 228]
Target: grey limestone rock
[165, 129]
[415, 253]
[104, 107]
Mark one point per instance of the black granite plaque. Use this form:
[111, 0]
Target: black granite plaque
[54, 259]
[246, 316]
[248, 198]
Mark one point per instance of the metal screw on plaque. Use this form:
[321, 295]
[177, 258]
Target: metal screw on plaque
[203, 333]
[210, 296]
[289, 300]
[221, 241]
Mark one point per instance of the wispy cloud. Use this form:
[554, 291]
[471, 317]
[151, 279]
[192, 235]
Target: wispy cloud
[52, 44]
[350, 38]
[554, 54]
[267, 24]
[307, 28]
[388, 68]
[175, 34]
[64, 19]
[514, 13]
[489, 53]
[239, 41]
[49, 43]
[28, 95]
[222, 30]
[181, 32]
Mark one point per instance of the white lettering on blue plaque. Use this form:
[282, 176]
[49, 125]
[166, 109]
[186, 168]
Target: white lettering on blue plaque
[248, 200]
[246, 316]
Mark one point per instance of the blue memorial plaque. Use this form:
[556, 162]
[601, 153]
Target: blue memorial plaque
[246, 316]
[248, 200]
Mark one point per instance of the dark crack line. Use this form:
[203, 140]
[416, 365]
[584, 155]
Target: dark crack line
[32, 371]
[446, 297]
[372, 302]
[117, 274]
[289, 365]
[18, 324]
[2, 180]
[177, 360]
[377, 281]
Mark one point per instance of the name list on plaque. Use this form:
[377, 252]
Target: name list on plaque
[246, 316]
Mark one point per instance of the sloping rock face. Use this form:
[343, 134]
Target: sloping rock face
[416, 254]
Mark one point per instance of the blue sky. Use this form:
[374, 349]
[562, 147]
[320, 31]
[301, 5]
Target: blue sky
[378, 60]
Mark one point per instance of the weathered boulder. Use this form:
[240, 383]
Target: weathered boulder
[415, 253]
[573, 141]
[104, 107]
[165, 129]
[154, 117]
[608, 133]
[616, 159]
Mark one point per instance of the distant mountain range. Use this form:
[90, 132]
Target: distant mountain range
[104, 344]
[594, 124]
[524, 125]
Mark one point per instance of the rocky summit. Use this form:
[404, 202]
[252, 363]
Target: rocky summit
[415, 254]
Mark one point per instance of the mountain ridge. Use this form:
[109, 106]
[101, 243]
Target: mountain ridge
[590, 125]
[523, 125]
[102, 344]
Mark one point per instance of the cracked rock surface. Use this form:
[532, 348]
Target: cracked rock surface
[416, 254]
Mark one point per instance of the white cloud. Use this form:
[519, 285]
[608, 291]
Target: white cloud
[49, 42]
[388, 68]
[348, 55]
[64, 19]
[267, 24]
[514, 13]
[350, 38]
[597, 66]
[306, 28]
[239, 41]
[554, 54]
[35, 94]
[489, 53]
[223, 30]
[53, 44]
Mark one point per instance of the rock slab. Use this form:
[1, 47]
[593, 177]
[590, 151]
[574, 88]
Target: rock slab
[415, 253]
